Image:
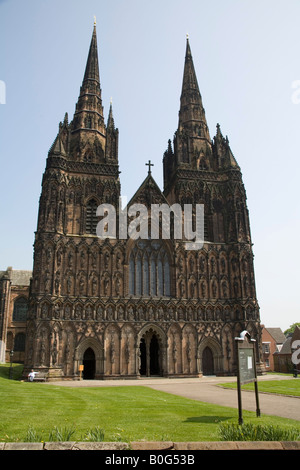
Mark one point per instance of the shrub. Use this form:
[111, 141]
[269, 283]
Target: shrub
[253, 432]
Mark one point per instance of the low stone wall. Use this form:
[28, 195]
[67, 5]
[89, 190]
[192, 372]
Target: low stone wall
[154, 446]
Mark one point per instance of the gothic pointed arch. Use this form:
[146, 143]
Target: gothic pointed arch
[211, 349]
[152, 352]
[89, 311]
[97, 347]
[100, 311]
[91, 219]
[152, 327]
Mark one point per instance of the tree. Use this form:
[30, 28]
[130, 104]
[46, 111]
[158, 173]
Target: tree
[291, 329]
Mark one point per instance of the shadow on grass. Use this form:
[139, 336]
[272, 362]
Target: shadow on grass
[207, 419]
[14, 374]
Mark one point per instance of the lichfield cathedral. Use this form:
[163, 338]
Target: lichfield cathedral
[136, 306]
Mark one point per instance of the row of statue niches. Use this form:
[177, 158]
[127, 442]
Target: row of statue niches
[83, 258]
[192, 264]
[130, 313]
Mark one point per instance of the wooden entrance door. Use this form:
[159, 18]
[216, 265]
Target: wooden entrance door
[207, 362]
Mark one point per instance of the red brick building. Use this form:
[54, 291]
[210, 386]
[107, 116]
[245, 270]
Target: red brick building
[272, 341]
[283, 358]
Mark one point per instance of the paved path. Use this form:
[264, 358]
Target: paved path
[206, 389]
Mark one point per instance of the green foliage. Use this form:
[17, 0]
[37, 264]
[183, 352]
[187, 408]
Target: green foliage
[62, 434]
[291, 329]
[257, 432]
[36, 411]
[33, 435]
[95, 434]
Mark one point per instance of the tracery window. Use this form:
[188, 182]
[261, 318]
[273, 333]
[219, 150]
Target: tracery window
[20, 309]
[149, 269]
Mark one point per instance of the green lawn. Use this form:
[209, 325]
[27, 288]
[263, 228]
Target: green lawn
[125, 413]
[283, 387]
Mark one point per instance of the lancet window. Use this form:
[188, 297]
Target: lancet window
[91, 218]
[149, 270]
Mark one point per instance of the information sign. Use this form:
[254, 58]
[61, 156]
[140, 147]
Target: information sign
[246, 363]
[246, 370]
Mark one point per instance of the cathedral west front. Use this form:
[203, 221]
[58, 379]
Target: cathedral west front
[133, 307]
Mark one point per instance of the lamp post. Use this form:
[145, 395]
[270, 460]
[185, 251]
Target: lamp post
[11, 354]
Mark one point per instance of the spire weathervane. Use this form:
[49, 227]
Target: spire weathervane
[149, 164]
[95, 20]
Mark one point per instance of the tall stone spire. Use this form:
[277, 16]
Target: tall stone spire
[192, 118]
[88, 117]
[192, 143]
[92, 66]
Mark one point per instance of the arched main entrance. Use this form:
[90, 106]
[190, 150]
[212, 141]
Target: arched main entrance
[89, 363]
[150, 355]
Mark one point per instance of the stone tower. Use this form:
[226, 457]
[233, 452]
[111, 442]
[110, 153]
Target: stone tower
[124, 307]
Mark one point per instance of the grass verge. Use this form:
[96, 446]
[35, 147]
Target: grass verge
[282, 387]
[119, 413]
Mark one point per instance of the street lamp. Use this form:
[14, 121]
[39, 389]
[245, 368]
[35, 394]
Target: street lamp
[11, 354]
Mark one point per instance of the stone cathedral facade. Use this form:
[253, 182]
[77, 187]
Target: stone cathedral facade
[128, 308]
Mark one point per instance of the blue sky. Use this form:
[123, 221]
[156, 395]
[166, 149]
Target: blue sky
[246, 56]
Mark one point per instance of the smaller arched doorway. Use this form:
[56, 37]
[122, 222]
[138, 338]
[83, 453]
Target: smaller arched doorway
[207, 362]
[89, 364]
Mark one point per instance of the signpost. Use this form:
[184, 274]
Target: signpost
[246, 370]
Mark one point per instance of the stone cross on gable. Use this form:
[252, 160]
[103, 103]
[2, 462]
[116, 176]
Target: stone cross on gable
[149, 164]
